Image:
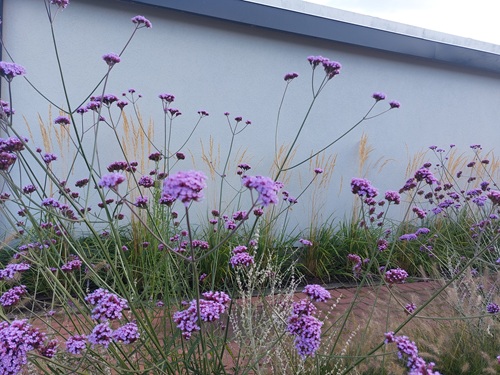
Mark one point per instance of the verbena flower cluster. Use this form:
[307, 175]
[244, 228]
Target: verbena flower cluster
[211, 306]
[241, 257]
[265, 186]
[16, 340]
[408, 350]
[305, 327]
[317, 292]
[186, 186]
[108, 306]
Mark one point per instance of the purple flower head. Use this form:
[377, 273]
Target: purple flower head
[127, 334]
[395, 275]
[423, 174]
[155, 156]
[394, 104]
[290, 76]
[111, 180]
[494, 196]
[49, 158]
[363, 188]
[62, 120]
[146, 181]
[169, 98]
[265, 186]
[305, 242]
[11, 270]
[317, 293]
[108, 306]
[492, 308]
[111, 59]
[16, 340]
[378, 96]
[318, 170]
[142, 21]
[410, 308]
[393, 196]
[180, 156]
[141, 202]
[102, 334]
[13, 295]
[187, 186]
[10, 70]
[76, 344]
[72, 265]
[306, 328]
[382, 244]
[419, 212]
[422, 231]
[241, 259]
[60, 3]
[211, 307]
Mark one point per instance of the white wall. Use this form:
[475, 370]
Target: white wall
[220, 66]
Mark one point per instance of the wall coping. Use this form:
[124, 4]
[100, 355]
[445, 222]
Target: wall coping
[317, 21]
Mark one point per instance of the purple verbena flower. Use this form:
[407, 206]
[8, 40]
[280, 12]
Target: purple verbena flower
[410, 308]
[378, 96]
[187, 186]
[111, 59]
[146, 181]
[102, 334]
[241, 259]
[492, 308]
[76, 344]
[16, 340]
[305, 242]
[423, 174]
[394, 104]
[108, 306]
[13, 295]
[317, 293]
[126, 334]
[142, 21]
[265, 186]
[10, 271]
[363, 188]
[60, 3]
[393, 196]
[10, 70]
[111, 180]
[290, 76]
[494, 196]
[62, 120]
[395, 275]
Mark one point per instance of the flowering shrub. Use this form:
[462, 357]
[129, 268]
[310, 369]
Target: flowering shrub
[151, 286]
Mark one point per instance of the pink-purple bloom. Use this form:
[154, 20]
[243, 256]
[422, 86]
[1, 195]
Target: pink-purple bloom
[108, 306]
[9, 70]
[186, 186]
[395, 276]
[111, 59]
[13, 295]
[265, 186]
[212, 305]
[62, 120]
[111, 180]
[76, 344]
[60, 3]
[16, 340]
[126, 334]
[102, 334]
[317, 293]
[305, 327]
[11, 270]
[142, 21]
[363, 188]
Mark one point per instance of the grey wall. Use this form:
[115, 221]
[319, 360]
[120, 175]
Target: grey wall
[222, 66]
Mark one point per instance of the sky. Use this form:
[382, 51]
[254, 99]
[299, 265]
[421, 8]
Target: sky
[479, 19]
